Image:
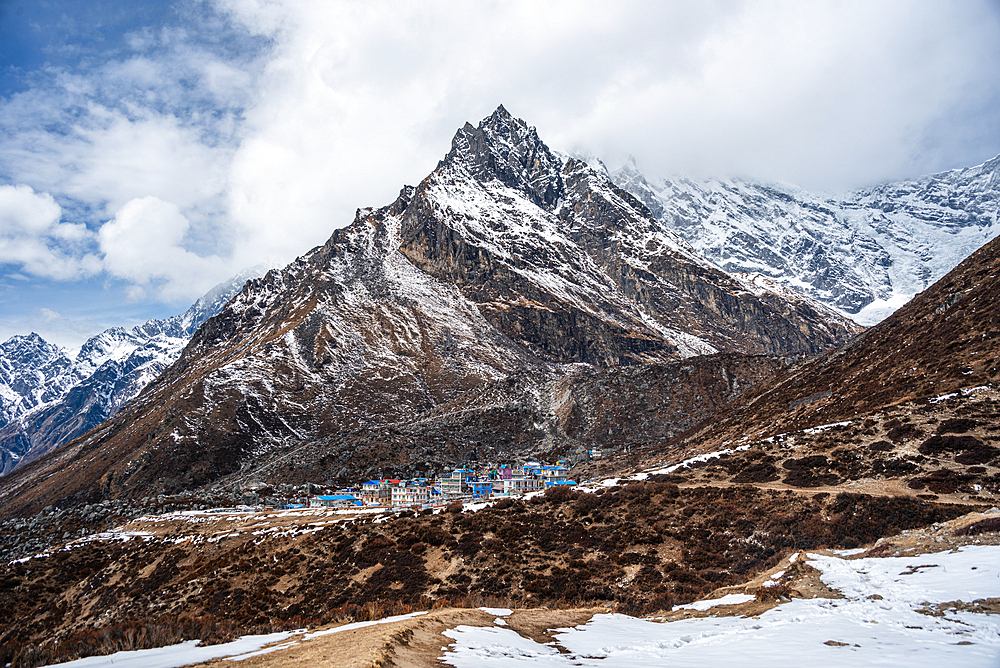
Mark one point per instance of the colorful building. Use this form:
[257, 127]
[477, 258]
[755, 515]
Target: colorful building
[335, 501]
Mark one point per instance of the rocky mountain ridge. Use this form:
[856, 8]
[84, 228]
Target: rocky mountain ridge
[508, 261]
[865, 253]
[49, 398]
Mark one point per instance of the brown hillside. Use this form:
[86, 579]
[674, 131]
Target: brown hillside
[887, 409]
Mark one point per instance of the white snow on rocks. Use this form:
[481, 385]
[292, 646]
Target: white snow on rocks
[864, 253]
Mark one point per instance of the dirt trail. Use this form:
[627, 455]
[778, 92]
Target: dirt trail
[419, 642]
[411, 643]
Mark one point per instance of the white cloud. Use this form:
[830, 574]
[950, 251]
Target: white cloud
[33, 238]
[144, 244]
[223, 156]
[359, 98]
[829, 95]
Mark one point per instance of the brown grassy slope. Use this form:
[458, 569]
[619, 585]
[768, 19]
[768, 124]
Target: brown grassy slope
[946, 338]
[638, 548]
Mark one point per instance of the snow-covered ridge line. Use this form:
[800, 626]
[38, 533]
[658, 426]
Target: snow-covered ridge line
[38, 379]
[864, 253]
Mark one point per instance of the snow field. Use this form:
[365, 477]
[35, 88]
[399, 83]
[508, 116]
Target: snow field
[890, 617]
[181, 654]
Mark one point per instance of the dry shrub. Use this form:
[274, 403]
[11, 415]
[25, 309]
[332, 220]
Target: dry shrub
[802, 472]
[902, 432]
[559, 494]
[956, 426]
[772, 593]
[936, 445]
[585, 503]
[942, 481]
[982, 526]
[757, 472]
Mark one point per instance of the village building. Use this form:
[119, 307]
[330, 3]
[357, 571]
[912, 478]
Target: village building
[480, 488]
[377, 492]
[521, 485]
[454, 484]
[410, 494]
[554, 473]
[335, 501]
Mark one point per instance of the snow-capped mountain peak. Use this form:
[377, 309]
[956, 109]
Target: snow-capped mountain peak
[508, 149]
[32, 372]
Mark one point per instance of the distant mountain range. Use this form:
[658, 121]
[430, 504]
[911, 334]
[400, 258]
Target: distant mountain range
[865, 253]
[48, 398]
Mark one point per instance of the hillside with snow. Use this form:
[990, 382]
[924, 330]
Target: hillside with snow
[508, 261]
[48, 398]
[865, 253]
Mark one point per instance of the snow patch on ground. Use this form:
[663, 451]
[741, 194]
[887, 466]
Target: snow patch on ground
[174, 656]
[687, 462]
[890, 617]
[498, 612]
[728, 599]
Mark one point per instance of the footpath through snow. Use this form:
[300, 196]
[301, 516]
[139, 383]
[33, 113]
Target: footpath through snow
[917, 610]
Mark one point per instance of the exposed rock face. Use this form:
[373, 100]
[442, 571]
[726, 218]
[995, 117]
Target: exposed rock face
[509, 261]
[563, 414]
[564, 258]
[53, 399]
[865, 253]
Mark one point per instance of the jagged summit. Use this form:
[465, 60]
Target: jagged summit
[32, 371]
[508, 149]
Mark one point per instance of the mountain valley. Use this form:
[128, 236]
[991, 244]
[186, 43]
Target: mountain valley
[507, 262]
[520, 304]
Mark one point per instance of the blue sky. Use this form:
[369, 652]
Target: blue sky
[150, 150]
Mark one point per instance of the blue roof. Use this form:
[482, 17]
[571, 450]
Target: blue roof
[338, 497]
